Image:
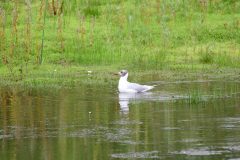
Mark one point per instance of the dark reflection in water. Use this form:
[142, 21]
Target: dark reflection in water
[96, 122]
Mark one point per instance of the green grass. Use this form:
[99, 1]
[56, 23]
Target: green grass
[132, 34]
[69, 76]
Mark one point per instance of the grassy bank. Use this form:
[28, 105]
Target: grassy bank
[58, 76]
[133, 34]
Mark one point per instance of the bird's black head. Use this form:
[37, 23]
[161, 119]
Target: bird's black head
[122, 73]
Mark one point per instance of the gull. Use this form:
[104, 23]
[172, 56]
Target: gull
[127, 87]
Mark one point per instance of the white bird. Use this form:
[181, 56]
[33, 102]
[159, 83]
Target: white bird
[125, 86]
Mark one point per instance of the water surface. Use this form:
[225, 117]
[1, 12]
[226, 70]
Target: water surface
[177, 120]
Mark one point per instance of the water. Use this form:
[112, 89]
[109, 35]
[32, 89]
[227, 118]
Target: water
[178, 120]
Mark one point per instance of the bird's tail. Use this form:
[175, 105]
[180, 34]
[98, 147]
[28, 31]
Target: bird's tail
[148, 88]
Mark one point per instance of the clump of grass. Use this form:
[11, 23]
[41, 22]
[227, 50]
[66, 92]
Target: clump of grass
[207, 56]
[195, 97]
[91, 11]
[224, 59]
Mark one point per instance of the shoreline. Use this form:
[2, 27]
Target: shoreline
[58, 76]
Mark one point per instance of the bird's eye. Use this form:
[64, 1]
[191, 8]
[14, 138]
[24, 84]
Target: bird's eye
[121, 72]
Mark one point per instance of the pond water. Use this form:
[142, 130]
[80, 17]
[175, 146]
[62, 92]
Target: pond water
[177, 120]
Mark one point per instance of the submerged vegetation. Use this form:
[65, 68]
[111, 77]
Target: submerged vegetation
[136, 34]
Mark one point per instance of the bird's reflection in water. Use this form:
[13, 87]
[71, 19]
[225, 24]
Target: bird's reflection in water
[126, 98]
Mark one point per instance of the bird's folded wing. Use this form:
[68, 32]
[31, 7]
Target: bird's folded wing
[137, 87]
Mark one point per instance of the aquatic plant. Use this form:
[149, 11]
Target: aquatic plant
[195, 97]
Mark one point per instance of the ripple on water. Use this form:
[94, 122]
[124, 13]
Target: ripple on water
[127, 122]
[205, 151]
[201, 152]
[229, 126]
[232, 120]
[171, 128]
[189, 140]
[87, 132]
[6, 136]
[130, 155]
[230, 123]
[121, 135]
[232, 148]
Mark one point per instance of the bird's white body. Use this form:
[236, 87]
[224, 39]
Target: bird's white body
[127, 87]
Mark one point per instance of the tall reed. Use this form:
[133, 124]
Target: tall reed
[14, 32]
[81, 30]
[3, 37]
[41, 28]
[54, 10]
[28, 34]
[92, 27]
[204, 9]
[14, 39]
[60, 25]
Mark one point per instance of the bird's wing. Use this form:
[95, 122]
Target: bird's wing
[138, 87]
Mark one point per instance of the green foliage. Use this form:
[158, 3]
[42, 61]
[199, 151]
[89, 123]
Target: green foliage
[91, 11]
[137, 34]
